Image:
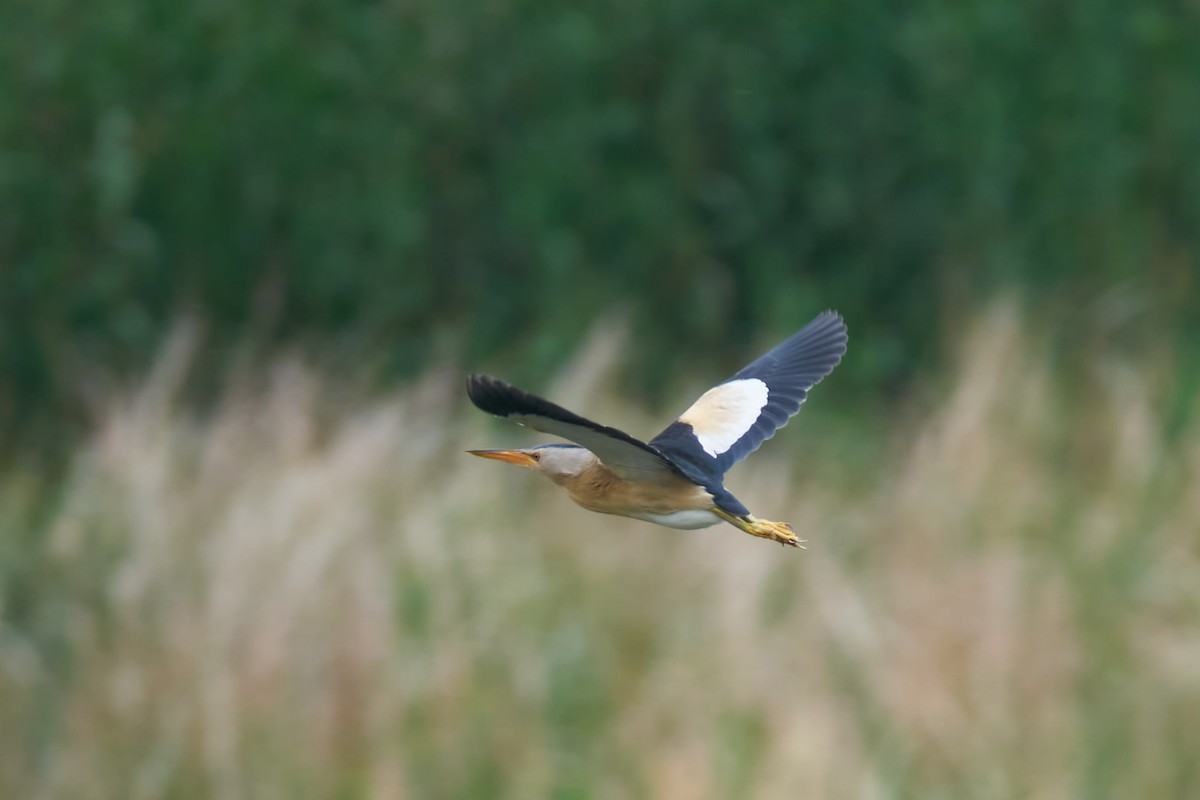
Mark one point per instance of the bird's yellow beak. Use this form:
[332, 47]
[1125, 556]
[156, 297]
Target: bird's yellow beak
[518, 457]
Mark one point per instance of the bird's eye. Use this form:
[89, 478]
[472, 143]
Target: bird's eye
[536, 456]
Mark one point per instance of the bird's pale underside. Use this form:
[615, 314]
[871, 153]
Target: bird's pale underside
[677, 478]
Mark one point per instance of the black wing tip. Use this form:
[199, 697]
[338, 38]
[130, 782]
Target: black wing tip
[828, 335]
[830, 322]
[502, 399]
[490, 394]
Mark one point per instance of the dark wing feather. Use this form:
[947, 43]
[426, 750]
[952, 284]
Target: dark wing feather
[788, 371]
[619, 451]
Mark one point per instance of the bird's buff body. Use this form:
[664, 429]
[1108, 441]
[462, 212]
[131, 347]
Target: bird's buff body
[673, 501]
[668, 500]
[675, 479]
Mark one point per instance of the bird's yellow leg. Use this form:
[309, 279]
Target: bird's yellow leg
[764, 529]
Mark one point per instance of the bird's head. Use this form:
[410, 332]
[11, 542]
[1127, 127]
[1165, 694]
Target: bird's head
[555, 461]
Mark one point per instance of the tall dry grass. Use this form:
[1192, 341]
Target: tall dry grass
[304, 595]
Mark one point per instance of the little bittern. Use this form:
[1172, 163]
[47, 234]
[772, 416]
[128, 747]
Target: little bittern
[677, 478]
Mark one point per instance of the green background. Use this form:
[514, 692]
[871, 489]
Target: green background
[405, 183]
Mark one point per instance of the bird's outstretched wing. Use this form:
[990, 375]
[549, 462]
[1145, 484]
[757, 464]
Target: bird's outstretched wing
[732, 419]
[620, 452]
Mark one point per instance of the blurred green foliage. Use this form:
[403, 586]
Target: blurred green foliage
[414, 179]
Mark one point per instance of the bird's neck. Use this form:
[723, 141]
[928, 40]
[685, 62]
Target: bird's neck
[584, 466]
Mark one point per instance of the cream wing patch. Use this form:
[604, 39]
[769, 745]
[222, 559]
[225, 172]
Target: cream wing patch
[724, 413]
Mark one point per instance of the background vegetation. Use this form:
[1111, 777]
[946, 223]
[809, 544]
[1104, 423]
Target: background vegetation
[405, 180]
[248, 249]
[304, 596]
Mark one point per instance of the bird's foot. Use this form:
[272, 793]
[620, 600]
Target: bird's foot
[764, 529]
[775, 531]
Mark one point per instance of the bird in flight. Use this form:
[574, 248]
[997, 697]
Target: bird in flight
[677, 478]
